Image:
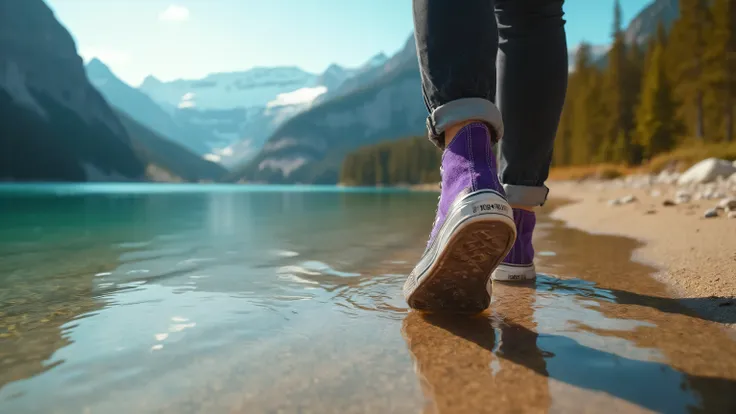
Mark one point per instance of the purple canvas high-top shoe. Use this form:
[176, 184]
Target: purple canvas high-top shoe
[473, 231]
[519, 263]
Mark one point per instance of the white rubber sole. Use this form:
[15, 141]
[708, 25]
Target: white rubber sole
[514, 273]
[452, 275]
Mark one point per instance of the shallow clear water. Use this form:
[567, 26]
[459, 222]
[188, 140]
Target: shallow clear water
[151, 298]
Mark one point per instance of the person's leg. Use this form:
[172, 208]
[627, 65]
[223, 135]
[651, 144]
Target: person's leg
[532, 81]
[457, 43]
[457, 46]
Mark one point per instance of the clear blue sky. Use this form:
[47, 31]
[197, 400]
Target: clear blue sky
[190, 38]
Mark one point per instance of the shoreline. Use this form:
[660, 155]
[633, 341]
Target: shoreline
[695, 256]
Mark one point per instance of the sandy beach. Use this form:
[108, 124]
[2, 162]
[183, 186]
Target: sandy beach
[696, 255]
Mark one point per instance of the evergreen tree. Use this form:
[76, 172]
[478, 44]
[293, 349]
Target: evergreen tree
[656, 124]
[619, 99]
[686, 49]
[632, 87]
[406, 161]
[720, 66]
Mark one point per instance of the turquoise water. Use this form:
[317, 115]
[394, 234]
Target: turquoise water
[190, 298]
[134, 279]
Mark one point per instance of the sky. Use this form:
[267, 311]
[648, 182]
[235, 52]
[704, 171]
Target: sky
[188, 39]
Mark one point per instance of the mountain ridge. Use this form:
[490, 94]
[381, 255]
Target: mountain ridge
[143, 109]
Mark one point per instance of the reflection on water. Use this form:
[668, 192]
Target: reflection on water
[258, 300]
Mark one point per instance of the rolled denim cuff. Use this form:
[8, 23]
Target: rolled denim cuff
[461, 110]
[526, 196]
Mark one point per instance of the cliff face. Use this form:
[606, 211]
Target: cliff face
[55, 125]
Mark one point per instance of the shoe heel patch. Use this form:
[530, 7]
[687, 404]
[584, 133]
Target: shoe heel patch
[490, 207]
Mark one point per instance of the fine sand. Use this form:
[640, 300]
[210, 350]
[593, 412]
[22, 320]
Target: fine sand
[696, 255]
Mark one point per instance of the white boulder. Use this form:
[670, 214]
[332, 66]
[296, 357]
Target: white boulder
[707, 171]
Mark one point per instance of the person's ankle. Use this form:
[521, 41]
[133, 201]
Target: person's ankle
[525, 208]
[469, 161]
[452, 131]
[522, 253]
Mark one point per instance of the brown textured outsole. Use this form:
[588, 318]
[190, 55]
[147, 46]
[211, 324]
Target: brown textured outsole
[457, 284]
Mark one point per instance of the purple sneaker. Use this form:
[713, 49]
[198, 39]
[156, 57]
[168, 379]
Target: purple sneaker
[473, 231]
[519, 264]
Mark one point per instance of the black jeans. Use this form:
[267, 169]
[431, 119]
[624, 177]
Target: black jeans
[460, 45]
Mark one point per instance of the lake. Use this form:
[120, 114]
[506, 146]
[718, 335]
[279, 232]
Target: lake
[224, 298]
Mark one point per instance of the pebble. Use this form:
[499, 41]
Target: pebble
[666, 177]
[628, 199]
[682, 197]
[668, 203]
[732, 214]
[710, 213]
[614, 202]
[728, 203]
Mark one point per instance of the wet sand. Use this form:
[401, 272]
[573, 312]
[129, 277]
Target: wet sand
[695, 256]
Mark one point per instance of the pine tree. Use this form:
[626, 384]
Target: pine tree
[656, 124]
[632, 87]
[686, 48]
[579, 141]
[720, 65]
[619, 98]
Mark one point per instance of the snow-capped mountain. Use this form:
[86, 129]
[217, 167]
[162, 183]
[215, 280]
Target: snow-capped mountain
[240, 110]
[236, 134]
[256, 87]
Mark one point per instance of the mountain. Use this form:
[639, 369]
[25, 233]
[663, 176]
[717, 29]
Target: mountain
[62, 129]
[382, 102]
[597, 53]
[240, 110]
[334, 76]
[144, 110]
[177, 162]
[355, 79]
[248, 89]
[644, 24]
